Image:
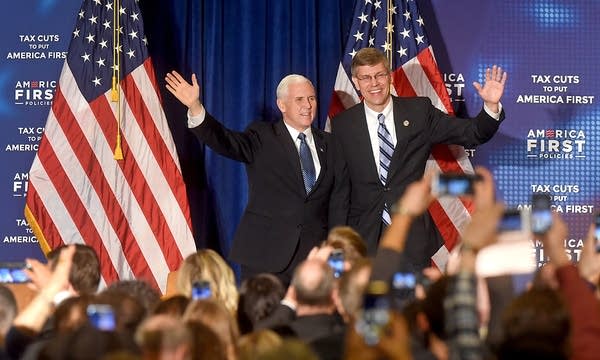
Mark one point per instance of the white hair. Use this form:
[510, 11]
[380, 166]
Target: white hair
[282, 88]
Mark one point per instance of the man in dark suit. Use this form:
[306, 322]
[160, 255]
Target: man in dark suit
[291, 181]
[385, 141]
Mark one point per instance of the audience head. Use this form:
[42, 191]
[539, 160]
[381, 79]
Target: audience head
[535, 325]
[259, 297]
[140, 290]
[206, 344]
[173, 306]
[207, 265]
[349, 240]
[164, 337]
[213, 314]
[128, 309]
[85, 271]
[87, 343]
[289, 349]
[71, 313]
[257, 343]
[313, 283]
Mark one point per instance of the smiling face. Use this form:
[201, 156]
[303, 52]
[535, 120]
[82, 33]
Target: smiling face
[298, 105]
[373, 82]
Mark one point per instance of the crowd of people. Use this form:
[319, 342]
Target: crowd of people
[361, 314]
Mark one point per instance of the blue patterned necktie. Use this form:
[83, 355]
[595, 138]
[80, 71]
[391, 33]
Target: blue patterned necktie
[308, 167]
[386, 149]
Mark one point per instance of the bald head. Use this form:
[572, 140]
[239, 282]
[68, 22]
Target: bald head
[313, 281]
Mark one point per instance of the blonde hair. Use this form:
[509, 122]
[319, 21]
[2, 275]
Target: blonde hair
[206, 264]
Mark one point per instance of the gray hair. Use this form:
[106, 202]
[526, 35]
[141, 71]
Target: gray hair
[282, 88]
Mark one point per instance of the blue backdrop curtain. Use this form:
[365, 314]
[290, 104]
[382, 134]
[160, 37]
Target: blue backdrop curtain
[239, 49]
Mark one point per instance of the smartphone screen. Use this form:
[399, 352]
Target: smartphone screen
[336, 261]
[101, 316]
[454, 184]
[541, 215]
[13, 273]
[201, 290]
[511, 221]
[375, 313]
[403, 289]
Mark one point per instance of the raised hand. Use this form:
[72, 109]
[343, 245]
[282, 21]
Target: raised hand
[493, 88]
[188, 94]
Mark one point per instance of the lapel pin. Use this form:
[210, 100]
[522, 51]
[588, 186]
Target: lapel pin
[406, 123]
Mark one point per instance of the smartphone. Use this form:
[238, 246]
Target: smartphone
[336, 261]
[102, 316]
[513, 220]
[13, 273]
[402, 290]
[454, 184]
[201, 290]
[541, 215]
[375, 314]
[597, 232]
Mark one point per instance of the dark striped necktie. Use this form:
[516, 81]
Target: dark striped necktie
[386, 150]
[306, 161]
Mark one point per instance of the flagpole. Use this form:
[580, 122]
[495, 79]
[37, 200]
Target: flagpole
[115, 91]
[389, 33]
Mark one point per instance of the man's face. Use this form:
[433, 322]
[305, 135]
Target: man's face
[373, 82]
[299, 106]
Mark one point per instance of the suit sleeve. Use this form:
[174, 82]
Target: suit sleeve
[239, 146]
[445, 129]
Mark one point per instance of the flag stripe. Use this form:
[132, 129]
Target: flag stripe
[132, 211]
[145, 183]
[83, 226]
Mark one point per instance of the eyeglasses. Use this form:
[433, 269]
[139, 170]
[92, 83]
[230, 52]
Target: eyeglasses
[369, 78]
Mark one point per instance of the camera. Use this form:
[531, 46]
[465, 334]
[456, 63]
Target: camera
[541, 215]
[201, 290]
[454, 184]
[13, 273]
[336, 261]
[375, 314]
[102, 316]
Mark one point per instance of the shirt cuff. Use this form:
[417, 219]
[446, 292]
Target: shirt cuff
[289, 304]
[196, 120]
[496, 116]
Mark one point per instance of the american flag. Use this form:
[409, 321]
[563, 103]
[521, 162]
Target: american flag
[134, 211]
[397, 29]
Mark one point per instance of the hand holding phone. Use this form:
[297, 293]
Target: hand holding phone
[375, 314]
[541, 214]
[13, 273]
